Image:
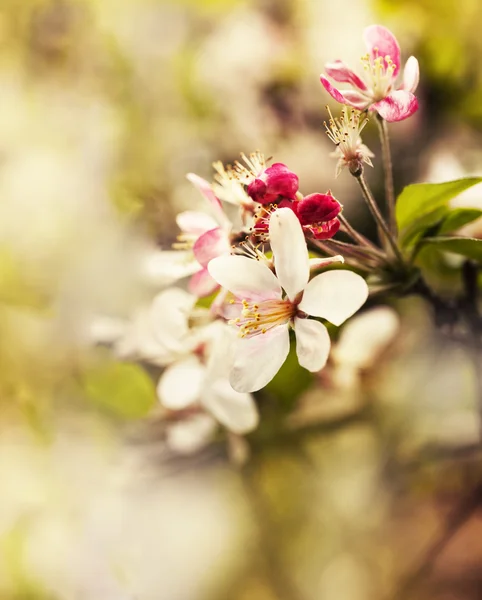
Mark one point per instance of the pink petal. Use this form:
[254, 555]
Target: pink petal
[195, 222]
[398, 105]
[205, 188]
[312, 344]
[202, 284]
[381, 42]
[411, 75]
[352, 98]
[343, 74]
[213, 243]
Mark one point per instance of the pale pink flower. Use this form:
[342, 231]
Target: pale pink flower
[269, 304]
[205, 235]
[375, 87]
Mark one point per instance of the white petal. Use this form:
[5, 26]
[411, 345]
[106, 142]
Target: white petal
[411, 74]
[169, 316]
[318, 263]
[222, 346]
[365, 337]
[180, 385]
[190, 434]
[245, 277]
[312, 344]
[194, 222]
[164, 267]
[234, 410]
[290, 252]
[334, 296]
[258, 359]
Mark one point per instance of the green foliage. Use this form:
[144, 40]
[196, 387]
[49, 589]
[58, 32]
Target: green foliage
[124, 389]
[458, 218]
[421, 206]
[468, 247]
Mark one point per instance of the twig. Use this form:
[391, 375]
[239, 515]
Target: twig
[377, 215]
[388, 171]
[356, 236]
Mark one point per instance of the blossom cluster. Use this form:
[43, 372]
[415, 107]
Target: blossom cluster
[260, 262]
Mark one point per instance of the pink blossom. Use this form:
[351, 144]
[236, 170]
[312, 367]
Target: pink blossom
[205, 235]
[375, 88]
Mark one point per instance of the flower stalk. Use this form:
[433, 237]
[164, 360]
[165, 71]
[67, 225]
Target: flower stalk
[377, 215]
[388, 172]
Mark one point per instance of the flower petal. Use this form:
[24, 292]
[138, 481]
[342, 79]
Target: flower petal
[205, 188]
[411, 74]
[381, 42]
[334, 295]
[245, 277]
[234, 410]
[164, 267]
[194, 222]
[180, 385]
[259, 358]
[343, 74]
[398, 105]
[365, 337]
[353, 98]
[213, 243]
[168, 316]
[289, 250]
[202, 284]
[318, 263]
[312, 344]
[190, 434]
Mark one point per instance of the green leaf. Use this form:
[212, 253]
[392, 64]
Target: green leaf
[122, 388]
[423, 205]
[469, 247]
[457, 218]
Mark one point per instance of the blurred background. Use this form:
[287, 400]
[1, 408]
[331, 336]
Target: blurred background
[364, 492]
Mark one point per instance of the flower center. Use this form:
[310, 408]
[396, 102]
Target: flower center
[378, 73]
[345, 131]
[259, 317]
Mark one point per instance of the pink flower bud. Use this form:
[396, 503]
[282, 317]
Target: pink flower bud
[275, 182]
[326, 230]
[317, 208]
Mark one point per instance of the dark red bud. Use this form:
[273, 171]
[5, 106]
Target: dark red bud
[317, 208]
[281, 181]
[274, 183]
[325, 231]
[257, 190]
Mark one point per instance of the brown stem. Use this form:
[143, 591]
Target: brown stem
[377, 215]
[388, 171]
[356, 236]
